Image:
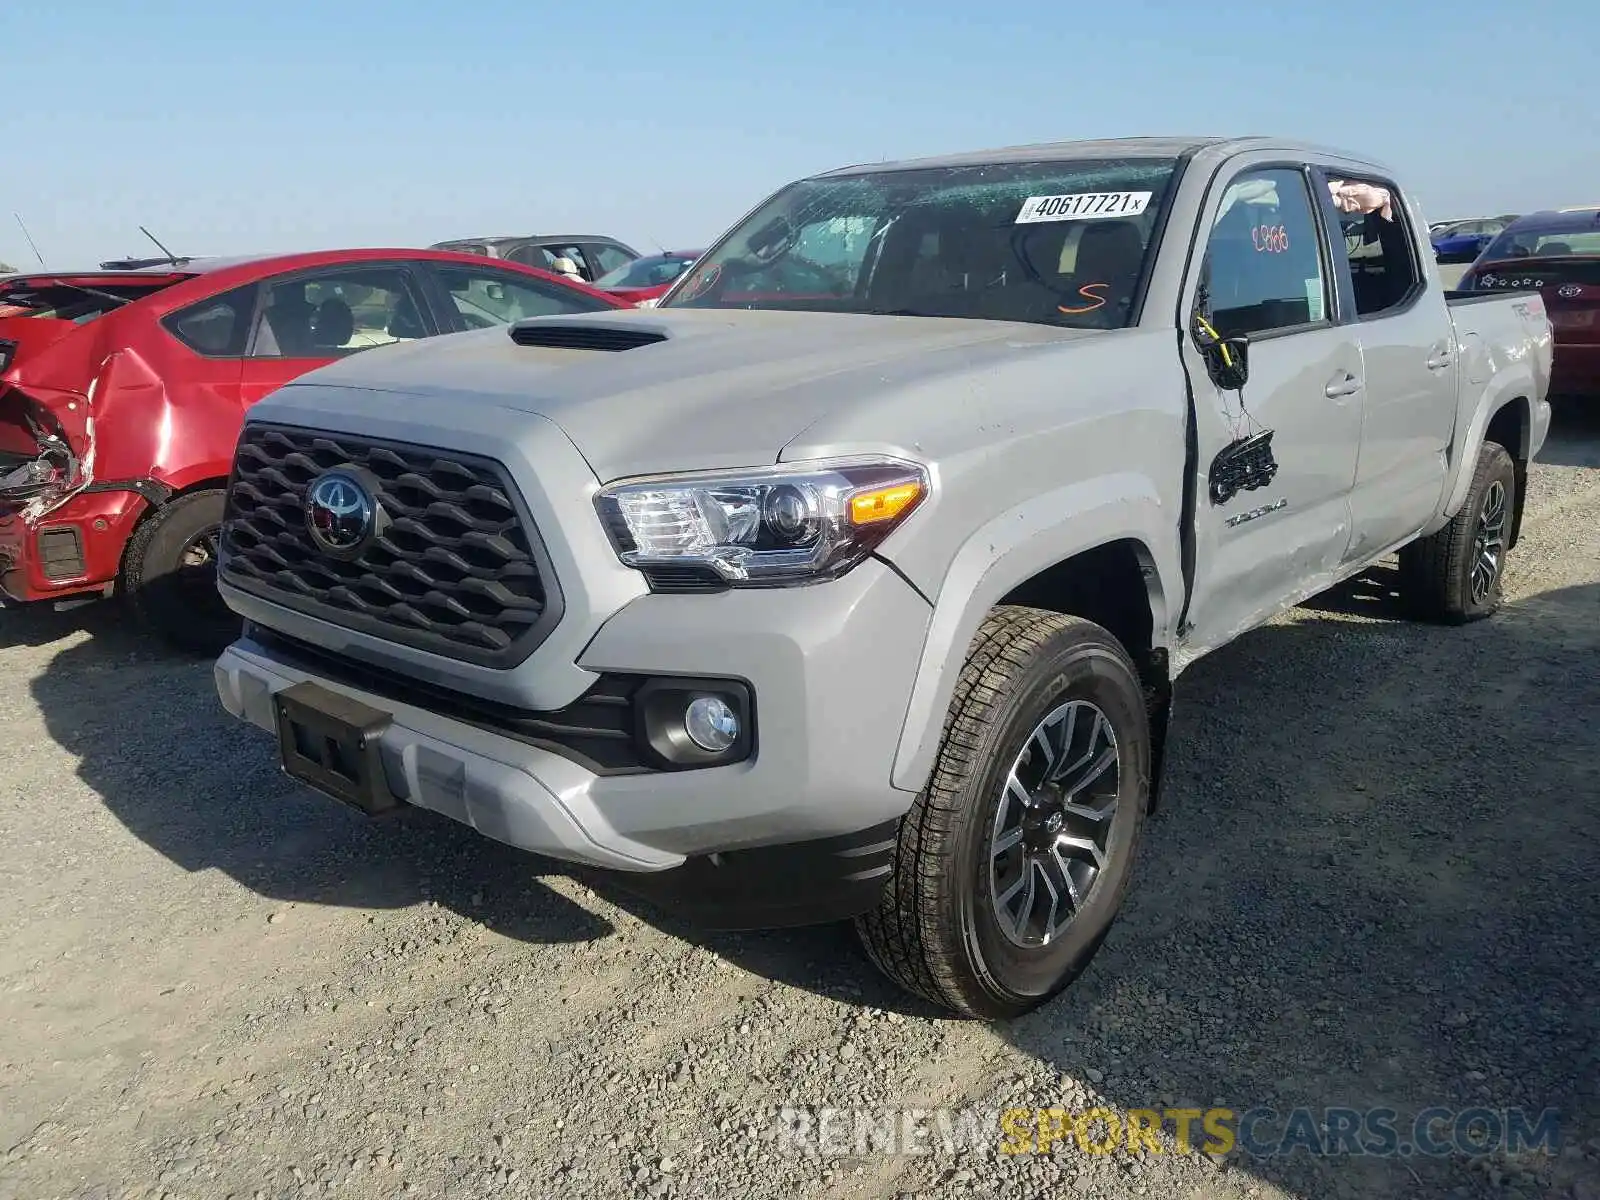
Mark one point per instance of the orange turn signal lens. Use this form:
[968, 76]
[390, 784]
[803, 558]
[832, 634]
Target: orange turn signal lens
[883, 504]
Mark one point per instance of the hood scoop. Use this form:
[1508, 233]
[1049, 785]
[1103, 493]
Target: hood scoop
[575, 336]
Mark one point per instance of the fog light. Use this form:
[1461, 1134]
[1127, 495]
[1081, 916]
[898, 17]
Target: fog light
[711, 724]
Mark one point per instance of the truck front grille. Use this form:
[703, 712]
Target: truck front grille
[456, 567]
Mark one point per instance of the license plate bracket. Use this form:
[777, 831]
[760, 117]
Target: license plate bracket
[331, 742]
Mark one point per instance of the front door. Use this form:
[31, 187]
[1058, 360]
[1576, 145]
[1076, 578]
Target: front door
[1276, 458]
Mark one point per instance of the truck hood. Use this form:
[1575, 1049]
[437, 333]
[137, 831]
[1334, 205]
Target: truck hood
[681, 389]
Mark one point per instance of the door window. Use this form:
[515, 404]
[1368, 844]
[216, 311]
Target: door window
[544, 256]
[607, 259]
[1384, 272]
[331, 313]
[1263, 266]
[484, 297]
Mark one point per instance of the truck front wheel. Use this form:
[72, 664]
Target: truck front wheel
[1013, 861]
[1455, 575]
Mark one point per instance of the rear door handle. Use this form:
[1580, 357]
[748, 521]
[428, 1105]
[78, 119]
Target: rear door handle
[1341, 385]
[1439, 362]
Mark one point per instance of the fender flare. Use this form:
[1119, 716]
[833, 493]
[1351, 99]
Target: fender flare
[1509, 393]
[1011, 549]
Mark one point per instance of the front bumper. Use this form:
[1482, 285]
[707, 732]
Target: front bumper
[829, 668]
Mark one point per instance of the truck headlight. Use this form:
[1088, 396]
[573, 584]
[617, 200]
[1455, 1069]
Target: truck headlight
[793, 523]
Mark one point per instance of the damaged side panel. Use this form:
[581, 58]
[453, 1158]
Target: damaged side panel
[47, 450]
[47, 427]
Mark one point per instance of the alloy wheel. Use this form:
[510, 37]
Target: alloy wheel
[1489, 544]
[1052, 825]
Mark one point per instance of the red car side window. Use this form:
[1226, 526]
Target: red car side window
[218, 327]
[327, 314]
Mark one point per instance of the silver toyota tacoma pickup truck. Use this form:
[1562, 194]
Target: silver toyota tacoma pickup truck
[852, 580]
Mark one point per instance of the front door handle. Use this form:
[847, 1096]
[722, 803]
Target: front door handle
[1440, 360]
[1341, 385]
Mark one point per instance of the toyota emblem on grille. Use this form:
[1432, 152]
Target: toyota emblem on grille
[1569, 291]
[341, 514]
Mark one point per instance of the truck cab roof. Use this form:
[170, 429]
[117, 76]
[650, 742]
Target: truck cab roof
[1175, 146]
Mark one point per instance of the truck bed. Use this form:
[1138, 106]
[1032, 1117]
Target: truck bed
[1499, 324]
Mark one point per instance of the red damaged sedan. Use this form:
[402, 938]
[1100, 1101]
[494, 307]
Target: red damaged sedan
[1558, 254]
[122, 392]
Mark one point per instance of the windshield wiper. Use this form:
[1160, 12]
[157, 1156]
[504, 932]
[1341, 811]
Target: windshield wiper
[904, 312]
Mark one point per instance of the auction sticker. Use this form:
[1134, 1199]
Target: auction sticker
[1083, 206]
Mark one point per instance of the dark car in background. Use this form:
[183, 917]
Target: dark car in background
[1463, 241]
[593, 254]
[1556, 253]
[644, 280]
[122, 390]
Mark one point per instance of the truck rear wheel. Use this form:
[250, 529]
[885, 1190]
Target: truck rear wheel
[1013, 861]
[170, 575]
[1455, 575]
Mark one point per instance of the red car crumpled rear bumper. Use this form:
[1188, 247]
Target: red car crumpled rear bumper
[62, 532]
[75, 550]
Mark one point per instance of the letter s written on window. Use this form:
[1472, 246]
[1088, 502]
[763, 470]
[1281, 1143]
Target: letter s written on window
[1095, 299]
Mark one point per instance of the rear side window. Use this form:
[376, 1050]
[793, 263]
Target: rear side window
[1384, 270]
[1263, 265]
[218, 327]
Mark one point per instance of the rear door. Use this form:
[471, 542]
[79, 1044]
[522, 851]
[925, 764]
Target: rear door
[1393, 302]
[308, 319]
[1267, 538]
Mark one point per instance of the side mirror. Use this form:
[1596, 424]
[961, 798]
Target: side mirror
[1227, 359]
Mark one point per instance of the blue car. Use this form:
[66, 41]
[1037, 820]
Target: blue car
[1463, 241]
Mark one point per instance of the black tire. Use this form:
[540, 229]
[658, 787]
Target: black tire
[169, 575]
[936, 930]
[1437, 572]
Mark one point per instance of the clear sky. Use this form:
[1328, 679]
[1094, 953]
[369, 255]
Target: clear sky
[235, 126]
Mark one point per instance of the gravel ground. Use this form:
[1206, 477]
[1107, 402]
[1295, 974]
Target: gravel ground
[1375, 882]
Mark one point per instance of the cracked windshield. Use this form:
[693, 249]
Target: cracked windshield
[1060, 243]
